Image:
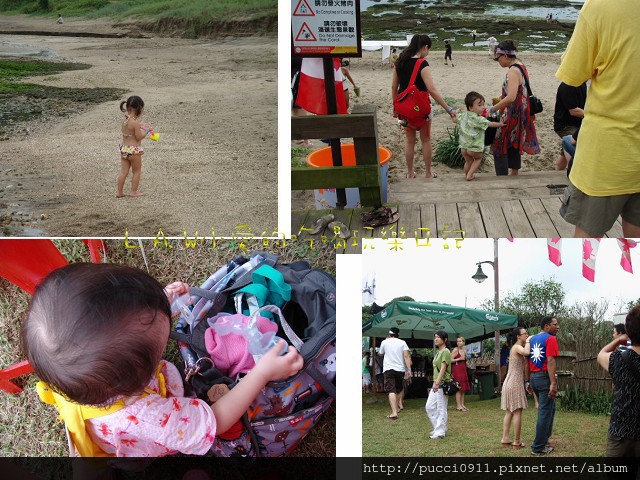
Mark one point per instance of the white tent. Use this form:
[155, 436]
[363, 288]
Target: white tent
[385, 45]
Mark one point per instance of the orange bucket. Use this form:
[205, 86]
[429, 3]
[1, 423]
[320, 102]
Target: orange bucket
[326, 197]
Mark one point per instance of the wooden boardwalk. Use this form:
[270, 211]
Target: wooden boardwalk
[488, 207]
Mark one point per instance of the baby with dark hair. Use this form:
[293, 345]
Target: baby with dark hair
[471, 127]
[95, 335]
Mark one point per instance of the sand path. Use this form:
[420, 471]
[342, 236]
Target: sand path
[215, 166]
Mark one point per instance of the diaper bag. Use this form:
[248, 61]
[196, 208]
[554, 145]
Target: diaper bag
[301, 302]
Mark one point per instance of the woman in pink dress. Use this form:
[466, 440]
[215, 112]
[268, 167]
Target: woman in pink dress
[514, 398]
[459, 372]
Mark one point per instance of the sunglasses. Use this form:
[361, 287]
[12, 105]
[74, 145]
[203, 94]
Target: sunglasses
[495, 59]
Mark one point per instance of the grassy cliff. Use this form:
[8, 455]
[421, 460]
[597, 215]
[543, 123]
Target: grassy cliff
[190, 18]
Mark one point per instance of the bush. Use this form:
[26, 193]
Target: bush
[448, 151]
[574, 400]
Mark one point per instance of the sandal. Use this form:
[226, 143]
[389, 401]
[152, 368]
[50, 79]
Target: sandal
[339, 229]
[321, 223]
[411, 174]
[518, 444]
[506, 444]
[433, 175]
[379, 217]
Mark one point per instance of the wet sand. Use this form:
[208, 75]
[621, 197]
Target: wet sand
[214, 167]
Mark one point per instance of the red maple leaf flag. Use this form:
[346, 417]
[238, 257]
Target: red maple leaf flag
[554, 246]
[589, 253]
[626, 246]
[311, 92]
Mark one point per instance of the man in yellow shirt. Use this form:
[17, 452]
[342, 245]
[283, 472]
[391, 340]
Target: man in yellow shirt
[605, 179]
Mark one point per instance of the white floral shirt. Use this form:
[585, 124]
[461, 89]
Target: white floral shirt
[153, 426]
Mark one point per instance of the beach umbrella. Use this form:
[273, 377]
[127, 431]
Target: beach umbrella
[420, 320]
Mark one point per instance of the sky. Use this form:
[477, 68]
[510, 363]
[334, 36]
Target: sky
[444, 275]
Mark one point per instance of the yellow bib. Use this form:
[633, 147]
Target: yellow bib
[74, 415]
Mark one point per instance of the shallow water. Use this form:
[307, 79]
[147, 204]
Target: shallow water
[10, 48]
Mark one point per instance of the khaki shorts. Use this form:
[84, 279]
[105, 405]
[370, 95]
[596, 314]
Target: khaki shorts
[596, 215]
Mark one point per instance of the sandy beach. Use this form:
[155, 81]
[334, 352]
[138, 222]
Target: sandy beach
[214, 167]
[472, 71]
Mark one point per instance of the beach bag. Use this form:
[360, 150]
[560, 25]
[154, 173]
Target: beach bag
[301, 301]
[451, 387]
[413, 105]
[490, 132]
[535, 104]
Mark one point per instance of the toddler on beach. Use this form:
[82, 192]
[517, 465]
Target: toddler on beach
[133, 131]
[95, 335]
[471, 126]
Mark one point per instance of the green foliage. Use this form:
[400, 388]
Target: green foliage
[574, 400]
[200, 10]
[447, 151]
[536, 300]
[632, 304]
[299, 156]
[11, 69]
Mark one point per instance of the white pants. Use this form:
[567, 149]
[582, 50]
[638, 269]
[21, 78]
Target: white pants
[436, 408]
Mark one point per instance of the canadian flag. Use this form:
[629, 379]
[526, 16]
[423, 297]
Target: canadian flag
[626, 246]
[311, 91]
[554, 246]
[589, 253]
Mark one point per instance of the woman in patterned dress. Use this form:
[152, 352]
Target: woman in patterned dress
[514, 398]
[519, 134]
[459, 373]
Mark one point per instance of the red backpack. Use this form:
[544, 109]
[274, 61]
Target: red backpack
[413, 105]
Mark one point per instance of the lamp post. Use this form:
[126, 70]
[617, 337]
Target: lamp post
[481, 277]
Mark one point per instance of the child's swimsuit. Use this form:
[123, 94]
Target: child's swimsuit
[127, 150]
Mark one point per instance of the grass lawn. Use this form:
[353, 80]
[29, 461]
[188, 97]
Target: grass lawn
[28, 426]
[472, 434]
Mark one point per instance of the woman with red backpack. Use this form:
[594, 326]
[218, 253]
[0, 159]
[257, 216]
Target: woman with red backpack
[410, 89]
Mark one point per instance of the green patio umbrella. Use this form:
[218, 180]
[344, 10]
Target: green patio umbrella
[420, 320]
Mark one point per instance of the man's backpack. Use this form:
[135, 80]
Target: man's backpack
[412, 105]
[302, 302]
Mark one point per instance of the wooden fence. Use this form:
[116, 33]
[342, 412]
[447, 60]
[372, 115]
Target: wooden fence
[365, 175]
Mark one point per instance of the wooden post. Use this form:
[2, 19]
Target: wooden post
[332, 109]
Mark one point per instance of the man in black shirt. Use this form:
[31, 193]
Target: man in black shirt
[568, 114]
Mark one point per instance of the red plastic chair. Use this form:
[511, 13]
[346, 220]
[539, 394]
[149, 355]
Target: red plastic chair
[25, 263]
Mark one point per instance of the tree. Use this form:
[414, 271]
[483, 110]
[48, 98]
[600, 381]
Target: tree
[536, 300]
[632, 304]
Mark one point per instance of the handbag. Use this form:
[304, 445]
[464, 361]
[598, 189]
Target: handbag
[490, 132]
[451, 387]
[413, 105]
[535, 104]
